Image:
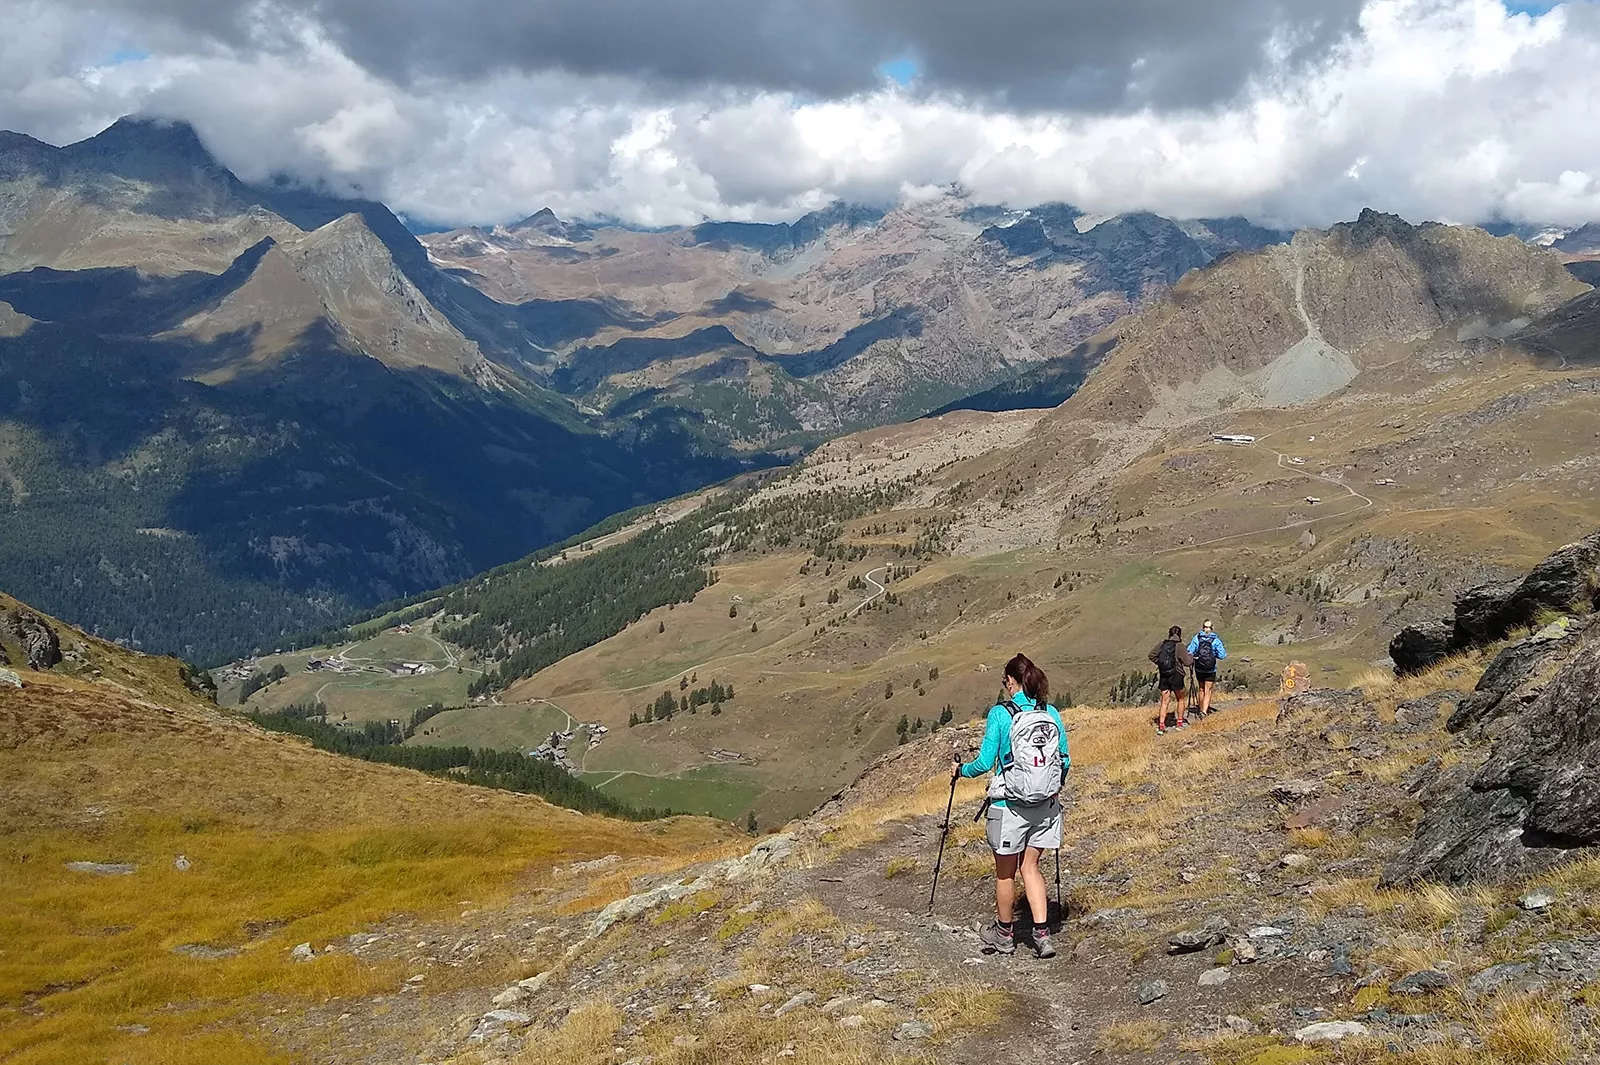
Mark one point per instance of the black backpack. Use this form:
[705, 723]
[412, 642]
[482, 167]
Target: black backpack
[1205, 655]
[1167, 657]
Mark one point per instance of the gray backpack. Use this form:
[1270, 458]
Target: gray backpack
[1033, 774]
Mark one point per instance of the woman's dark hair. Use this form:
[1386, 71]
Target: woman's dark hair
[1174, 633]
[1022, 670]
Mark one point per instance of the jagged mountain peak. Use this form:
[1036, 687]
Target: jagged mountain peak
[145, 142]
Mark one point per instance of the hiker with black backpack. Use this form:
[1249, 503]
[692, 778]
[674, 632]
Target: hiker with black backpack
[1025, 744]
[1207, 650]
[1172, 664]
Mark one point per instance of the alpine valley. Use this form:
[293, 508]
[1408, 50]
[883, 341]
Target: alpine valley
[539, 568]
[230, 413]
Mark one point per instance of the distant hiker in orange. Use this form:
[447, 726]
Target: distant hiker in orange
[1025, 744]
[1172, 661]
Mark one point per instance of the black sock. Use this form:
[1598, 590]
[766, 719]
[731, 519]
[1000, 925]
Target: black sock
[1006, 925]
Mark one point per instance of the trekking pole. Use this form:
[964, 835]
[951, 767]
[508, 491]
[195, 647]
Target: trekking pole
[948, 806]
[1061, 913]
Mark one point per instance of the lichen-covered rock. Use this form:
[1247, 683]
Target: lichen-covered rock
[1566, 582]
[1535, 802]
[1519, 670]
[1323, 704]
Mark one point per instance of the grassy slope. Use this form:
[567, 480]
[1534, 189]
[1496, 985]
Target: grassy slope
[1184, 530]
[286, 845]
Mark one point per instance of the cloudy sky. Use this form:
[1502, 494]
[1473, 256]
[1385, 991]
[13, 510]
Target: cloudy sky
[668, 111]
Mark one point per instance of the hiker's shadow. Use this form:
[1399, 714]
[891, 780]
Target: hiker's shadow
[1055, 919]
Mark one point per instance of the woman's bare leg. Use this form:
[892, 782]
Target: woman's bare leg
[1033, 886]
[1005, 886]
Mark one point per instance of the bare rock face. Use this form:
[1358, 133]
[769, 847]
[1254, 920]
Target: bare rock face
[1323, 705]
[1568, 580]
[1416, 647]
[1535, 802]
[1565, 583]
[41, 648]
[1517, 674]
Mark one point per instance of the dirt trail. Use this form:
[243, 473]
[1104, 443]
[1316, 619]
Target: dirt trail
[1067, 1001]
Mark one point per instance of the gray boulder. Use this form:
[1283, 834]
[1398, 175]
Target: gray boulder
[41, 647]
[1566, 582]
[1416, 647]
[1534, 803]
[1420, 983]
[1323, 704]
[1421, 713]
[1520, 669]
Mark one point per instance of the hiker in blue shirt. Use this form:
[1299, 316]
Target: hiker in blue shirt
[1025, 744]
[1206, 649]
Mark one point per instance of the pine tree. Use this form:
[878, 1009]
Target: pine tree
[750, 823]
[661, 626]
[733, 610]
[752, 626]
[888, 689]
[633, 719]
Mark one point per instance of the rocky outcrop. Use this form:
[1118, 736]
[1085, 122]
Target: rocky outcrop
[1568, 582]
[1324, 704]
[40, 646]
[1517, 674]
[1535, 802]
[1416, 647]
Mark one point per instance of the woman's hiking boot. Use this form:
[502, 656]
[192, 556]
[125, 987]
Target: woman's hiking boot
[998, 938]
[1041, 943]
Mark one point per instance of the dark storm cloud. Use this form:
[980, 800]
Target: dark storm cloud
[1027, 54]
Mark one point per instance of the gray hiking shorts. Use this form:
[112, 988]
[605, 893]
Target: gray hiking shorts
[1012, 828]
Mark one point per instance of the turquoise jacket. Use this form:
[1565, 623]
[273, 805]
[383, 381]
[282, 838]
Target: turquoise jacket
[996, 749]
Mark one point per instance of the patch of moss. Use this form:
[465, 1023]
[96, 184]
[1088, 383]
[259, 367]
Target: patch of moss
[1224, 957]
[735, 924]
[1368, 997]
[699, 902]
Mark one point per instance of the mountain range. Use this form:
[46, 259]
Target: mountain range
[230, 413]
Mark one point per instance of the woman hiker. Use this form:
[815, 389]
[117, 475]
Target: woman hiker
[1025, 745]
[1206, 649]
[1172, 661]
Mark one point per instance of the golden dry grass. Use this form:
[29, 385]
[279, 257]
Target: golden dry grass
[1131, 1036]
[1523, 1031]
[1309, 838]
[902, 866]
[585, 1037]
[286, 845]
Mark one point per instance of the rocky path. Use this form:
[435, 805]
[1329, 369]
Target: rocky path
[1219, 904]
[1067, 1003]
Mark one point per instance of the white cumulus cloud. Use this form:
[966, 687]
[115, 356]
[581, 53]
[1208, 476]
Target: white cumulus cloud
[1455, 109]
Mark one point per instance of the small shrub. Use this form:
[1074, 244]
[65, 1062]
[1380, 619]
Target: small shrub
[1130, 1036]
[1309, 837]
[899, 867]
